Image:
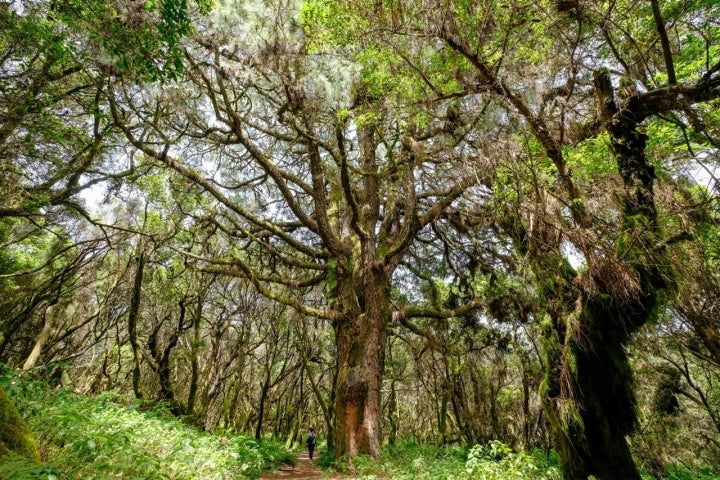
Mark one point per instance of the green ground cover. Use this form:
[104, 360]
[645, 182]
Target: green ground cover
[100, 438]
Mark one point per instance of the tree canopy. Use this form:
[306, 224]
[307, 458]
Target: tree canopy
[479, 206]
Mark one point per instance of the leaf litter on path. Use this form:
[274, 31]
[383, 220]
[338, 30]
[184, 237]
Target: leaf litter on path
[304, 470]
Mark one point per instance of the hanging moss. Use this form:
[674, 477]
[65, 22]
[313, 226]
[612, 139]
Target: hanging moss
[665, 401]
[15, 436]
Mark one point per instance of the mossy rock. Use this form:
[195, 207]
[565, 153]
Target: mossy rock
[15, 436]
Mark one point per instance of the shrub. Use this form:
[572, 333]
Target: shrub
[498, 461]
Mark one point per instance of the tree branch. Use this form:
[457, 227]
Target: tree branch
[667, 52]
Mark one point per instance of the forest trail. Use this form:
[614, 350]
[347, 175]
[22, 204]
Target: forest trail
[304, 470]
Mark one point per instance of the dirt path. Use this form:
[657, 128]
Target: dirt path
[304, 470]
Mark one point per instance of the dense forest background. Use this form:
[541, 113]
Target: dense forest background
[453, 222]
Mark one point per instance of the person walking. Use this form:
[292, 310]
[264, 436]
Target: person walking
[311, 442]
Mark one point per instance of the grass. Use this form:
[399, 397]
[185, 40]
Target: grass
[99, 438]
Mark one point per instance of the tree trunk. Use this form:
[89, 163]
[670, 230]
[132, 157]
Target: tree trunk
[461, 410]
[42, 338]
[325, 406]
[15, 436]
[525, 363]
[293, 429]
[393, 415]
[360, 342]
[12, 325]
[194, 360]
[589, 391]
[133, 315]
[264, 389]
[393, 412]
[593, 416]
[162, 362]
[442, 415]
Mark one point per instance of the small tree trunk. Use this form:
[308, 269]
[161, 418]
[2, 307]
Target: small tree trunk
[194, 363]
[445, 399]
[393, 411]
[525, 364]
[264, 389]
[163, 366]
[42, 339]
[133, 315]
[293, 431]
[463, 417]
[325, 406]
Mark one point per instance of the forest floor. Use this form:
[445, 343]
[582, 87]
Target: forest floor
[304, 470]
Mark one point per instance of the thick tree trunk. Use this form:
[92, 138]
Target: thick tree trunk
[360, 342]
[15, 436]
[589, 389]
[593, 417]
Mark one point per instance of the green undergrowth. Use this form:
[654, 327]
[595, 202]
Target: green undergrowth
[410, 461]
[100, 438]
[493, 461]
[681, 472]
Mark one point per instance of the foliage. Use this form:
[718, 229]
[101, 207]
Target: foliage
[141, 38]
[497, 460]
[592, 158]
[320, 148]
[680, 472]
[97, 437]
[494, 461]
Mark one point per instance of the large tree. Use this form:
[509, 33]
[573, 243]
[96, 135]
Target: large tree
[319, 184]
[574, 80]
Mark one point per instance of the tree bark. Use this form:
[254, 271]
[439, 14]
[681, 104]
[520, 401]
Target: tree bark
[161, 361]
[15, 436]
[194, 358]
[525, 363]
[264, 389]
[590, 369]
[325, 406]
[393, 412]
[360, 342]
[133, 315]
[42, 338]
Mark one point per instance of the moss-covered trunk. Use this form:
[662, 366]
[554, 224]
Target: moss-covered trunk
[15, 436]
[588, 391]
[590, 400]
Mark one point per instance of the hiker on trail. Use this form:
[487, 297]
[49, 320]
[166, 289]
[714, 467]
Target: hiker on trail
[311, 442]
